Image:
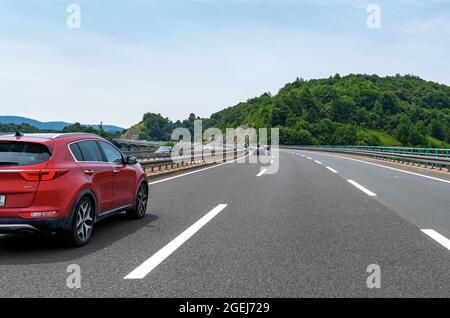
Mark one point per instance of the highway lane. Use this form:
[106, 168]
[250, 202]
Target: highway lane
[302, 232]
[37, 267]
[424, 202]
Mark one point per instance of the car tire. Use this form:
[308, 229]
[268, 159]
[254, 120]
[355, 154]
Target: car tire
[140, 205]
[82, 223]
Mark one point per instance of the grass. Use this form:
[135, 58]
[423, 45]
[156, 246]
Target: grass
[373, 137]
[435, 143]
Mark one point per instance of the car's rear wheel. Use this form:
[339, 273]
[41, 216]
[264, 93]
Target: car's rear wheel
[83, 222]
[140, 205]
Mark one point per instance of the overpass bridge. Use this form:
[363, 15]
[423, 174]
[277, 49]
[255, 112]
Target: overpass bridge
[136, 146]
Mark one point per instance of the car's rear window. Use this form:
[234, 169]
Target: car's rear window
[14, 153]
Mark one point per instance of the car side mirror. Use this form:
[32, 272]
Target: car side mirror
[131, 160]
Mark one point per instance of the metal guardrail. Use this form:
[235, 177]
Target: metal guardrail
[144, 143]
[146, 155]
[152, 155]
[428, 157]
[427, 152]
[187, 161]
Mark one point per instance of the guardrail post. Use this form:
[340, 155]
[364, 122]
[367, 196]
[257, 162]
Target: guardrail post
[446, 155]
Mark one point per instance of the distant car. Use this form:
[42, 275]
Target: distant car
[65, 183]
[164, 150]
[208, 149]
[259, 151]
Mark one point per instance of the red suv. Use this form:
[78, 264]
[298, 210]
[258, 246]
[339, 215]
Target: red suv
[65, 183]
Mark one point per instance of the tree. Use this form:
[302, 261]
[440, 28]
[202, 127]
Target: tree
[402, 132]
[389, 103]
[346, 135]
[157, 128]
[280, 114]
[416, 138]
[437, 129]
[343, 109]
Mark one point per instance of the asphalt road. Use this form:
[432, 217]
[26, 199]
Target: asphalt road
[226, 232]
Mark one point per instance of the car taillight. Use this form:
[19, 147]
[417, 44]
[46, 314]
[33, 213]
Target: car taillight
[42, 175]
[30, 175]
[39, 215]
[50, 174]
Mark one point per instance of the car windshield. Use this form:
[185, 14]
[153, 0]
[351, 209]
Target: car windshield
[22, 153]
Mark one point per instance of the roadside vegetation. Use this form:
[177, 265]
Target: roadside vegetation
[349, 110]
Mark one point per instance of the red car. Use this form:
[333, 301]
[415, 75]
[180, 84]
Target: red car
[65, 183]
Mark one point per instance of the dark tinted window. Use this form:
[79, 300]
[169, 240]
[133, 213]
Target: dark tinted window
[76, 152]
[90, 151]
[22, 153]
[111, 153]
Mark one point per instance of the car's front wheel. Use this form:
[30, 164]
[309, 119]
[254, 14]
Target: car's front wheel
[83, 222]
[140, 205]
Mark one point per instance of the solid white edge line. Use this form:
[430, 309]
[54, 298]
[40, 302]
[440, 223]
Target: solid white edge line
[195, 171]
[332, 170]
[441, 239]
[318, 162]
[309, 158]
[363, 189]
[145, 268]
[390, 168]
[263, 171]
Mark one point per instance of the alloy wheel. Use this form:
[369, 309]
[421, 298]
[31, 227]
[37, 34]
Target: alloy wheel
[84, 221]
[142, 201]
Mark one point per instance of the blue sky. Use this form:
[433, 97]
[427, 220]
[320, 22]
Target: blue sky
[175, 57]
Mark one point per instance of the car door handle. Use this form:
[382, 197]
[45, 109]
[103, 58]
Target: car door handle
[116, 171]
[89, 172]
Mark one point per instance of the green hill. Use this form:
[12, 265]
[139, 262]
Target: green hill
[352, 110]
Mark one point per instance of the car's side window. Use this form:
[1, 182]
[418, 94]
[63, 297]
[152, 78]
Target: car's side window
[90, 151]
[76, 152]
[111, 153]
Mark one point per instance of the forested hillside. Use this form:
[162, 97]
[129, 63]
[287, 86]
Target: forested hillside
[350, 110]
[77, 127]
